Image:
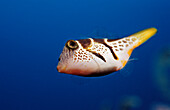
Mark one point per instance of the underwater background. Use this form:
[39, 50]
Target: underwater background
[34, 32]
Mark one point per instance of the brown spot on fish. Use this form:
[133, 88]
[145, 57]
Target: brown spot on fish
[127, 39]
[124, 41]
[116, 49]
[133, 39]
[121, 49]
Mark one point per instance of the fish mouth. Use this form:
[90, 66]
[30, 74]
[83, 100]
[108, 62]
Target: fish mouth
[61, 69]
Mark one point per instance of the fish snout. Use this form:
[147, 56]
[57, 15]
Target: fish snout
[61, 69]
[58, 68]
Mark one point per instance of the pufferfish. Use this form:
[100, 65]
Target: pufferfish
[98, 57]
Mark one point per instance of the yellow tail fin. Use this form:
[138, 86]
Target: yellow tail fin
[143, 35]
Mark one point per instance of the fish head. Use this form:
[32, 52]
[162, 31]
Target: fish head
[76, 60]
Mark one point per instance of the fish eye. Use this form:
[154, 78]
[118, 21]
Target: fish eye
[71, 44]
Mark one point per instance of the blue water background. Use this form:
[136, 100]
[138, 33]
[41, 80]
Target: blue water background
[32, 36]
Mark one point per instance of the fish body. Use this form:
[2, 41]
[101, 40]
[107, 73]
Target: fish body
[97, 57]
